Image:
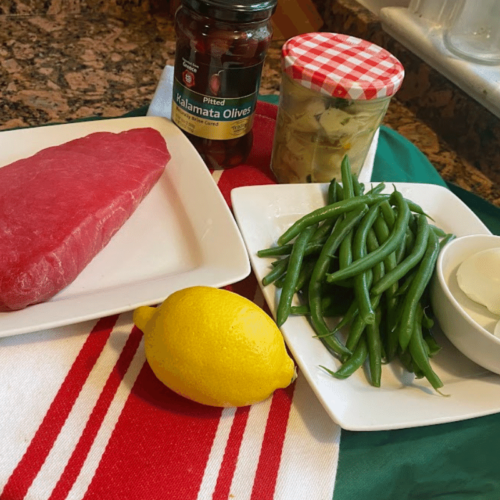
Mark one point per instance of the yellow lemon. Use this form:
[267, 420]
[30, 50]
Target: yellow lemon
[215, 347]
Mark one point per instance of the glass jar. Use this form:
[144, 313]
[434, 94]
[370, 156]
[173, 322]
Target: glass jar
[473, 31]
[334, 94]
[220, 51]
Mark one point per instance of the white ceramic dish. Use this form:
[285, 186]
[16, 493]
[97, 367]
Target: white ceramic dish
[263, 213]
[468, 325]
[182, 234]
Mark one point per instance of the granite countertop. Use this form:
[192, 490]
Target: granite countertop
[60, 62]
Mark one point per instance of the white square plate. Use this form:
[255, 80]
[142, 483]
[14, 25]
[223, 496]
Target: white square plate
[182, 234]
[263, 213]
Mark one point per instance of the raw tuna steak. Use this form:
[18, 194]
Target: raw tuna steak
[60, 207]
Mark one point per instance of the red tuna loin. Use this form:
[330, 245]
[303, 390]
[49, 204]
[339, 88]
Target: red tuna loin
[60, 207]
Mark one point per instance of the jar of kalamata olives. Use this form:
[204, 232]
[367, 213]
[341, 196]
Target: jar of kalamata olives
[334, 94]
[220, 50]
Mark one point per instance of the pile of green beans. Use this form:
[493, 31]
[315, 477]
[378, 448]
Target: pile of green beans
[365, 259]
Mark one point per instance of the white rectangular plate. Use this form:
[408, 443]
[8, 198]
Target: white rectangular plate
[182, 234]
[263, 213]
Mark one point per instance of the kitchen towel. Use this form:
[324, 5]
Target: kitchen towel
[161, 105]
[82, 416]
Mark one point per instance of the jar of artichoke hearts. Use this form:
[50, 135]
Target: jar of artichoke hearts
[220, 51]
[334, 94]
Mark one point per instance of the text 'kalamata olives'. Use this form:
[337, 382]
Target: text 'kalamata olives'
[220, 52]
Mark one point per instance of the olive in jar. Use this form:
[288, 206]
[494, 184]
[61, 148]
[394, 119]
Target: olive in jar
[220, 50]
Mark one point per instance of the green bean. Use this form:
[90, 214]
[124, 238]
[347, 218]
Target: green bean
[416, 208]
[285, 250]
[381, 228]
[275, 251]
[329, 308]
[325, 229]
[277, 262]
[439, 232]
[374, 345]
[427, 322]
[332, 191]
[446, 240]
[356, 330]
[412, 223]
[406, 244]
[358, 327]
[345, 283]
[409, 241]
[358, 187]
[280, 281]
[377, 189]
[323, 213]
[416, 290]
[340, 192]
[349, 316]
[384, 250]
[406, 283]
[292, 275]
[372, 245]
[382, 233]
[361, 288]
[400, 251]
[341, 229]
[390, 262]
[278, 270]
[347, 183]
[352, 364]
[333, 345]
[345, 251]
[305, 273]
[414, 257]
[388, 214]
[419, 355]
[432, 346]
[391, 331]
[322, 232]
[302, 310]
[408, 364]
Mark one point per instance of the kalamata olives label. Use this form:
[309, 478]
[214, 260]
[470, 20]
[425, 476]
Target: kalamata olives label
[210, 117]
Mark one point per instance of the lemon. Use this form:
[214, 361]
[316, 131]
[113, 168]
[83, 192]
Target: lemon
[215, 347]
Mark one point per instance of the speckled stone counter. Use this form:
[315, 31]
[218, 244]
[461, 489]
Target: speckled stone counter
[61, 61]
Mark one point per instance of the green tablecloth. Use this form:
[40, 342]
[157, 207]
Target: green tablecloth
[459, 461]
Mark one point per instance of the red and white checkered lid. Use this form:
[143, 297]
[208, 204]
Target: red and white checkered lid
[342, 66]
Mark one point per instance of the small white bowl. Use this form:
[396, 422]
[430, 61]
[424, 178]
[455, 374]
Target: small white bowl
[468, 325]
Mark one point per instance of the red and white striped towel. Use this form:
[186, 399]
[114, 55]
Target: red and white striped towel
[83, 417]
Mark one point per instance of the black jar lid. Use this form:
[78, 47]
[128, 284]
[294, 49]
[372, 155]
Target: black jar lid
[241, 11]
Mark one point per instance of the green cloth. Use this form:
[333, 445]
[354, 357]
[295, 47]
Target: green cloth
[458, 461]
[398, 160]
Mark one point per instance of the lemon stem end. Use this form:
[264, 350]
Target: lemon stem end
[142, 316]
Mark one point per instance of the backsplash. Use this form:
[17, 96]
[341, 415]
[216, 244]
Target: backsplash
[68, 7]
